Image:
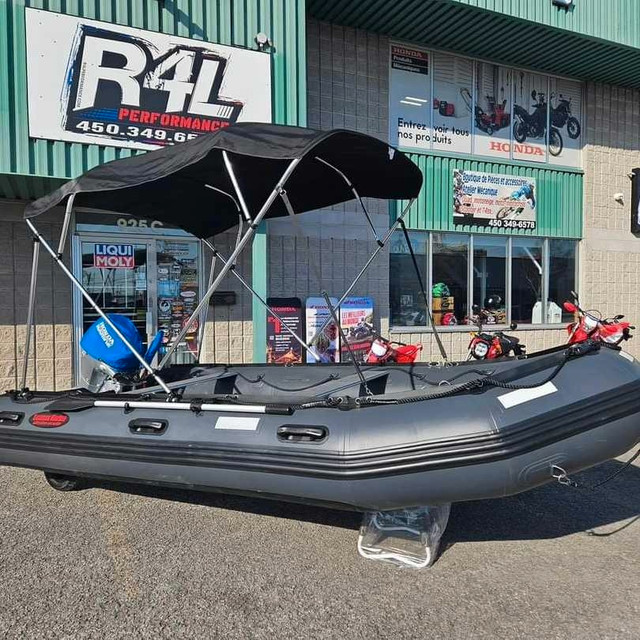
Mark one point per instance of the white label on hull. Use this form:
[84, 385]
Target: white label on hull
[514, 398]
[239, 424]
[628, 356]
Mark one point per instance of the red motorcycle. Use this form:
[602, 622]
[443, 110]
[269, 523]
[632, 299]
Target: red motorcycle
[489, 346]
[591, 324]
[385, 351]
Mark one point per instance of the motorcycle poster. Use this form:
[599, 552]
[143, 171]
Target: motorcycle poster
[492, 110]
[452, 85]
[326, 343]
[529, 129]
[356, 320]
[565, 103]
[282, 347]
[494, 200]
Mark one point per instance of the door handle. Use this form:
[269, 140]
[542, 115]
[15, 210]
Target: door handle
[302, 433]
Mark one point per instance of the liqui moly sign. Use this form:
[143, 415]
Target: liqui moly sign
[114, 256]
[101, 83]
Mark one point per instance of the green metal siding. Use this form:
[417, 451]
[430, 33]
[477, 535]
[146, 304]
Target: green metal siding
[506, 35]
[229, 22]
[559, 197]
[613, 20]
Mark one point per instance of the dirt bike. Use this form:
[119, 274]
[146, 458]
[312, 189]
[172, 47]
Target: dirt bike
[591, 324]
[385, 351]
[534, 124]
[488, 346]
[561, 116]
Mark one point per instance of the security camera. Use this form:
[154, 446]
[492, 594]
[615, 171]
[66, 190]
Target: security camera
[564, 4]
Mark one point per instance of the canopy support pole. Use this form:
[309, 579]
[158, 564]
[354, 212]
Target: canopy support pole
[436, 334]
[356, 195]
[263, 302]
[373, 256]
[236, 186]
[65, 225]
[231, 261]
[201, 332]
[31, 310]
[76, 283]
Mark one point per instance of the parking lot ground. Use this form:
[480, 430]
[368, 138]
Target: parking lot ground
[121, 561]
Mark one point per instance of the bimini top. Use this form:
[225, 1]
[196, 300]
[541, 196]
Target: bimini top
[173, 184]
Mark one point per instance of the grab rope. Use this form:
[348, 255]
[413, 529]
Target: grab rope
[263, 380]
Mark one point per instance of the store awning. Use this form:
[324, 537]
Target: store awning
[467, 27]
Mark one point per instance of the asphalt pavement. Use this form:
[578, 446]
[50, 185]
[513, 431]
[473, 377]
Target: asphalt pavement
[122, 561]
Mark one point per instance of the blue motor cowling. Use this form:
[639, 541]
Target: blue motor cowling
[102, 343]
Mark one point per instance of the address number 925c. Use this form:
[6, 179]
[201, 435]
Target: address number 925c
[139, 224]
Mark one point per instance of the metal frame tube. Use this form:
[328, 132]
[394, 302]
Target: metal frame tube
[355, 193]
[65, 225]
[232, 258]
[381, 245]
[76, 283]
[31, 310]
[236, 186]
[264, 303]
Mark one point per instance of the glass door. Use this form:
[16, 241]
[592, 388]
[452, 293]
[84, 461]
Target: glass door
[155, 282]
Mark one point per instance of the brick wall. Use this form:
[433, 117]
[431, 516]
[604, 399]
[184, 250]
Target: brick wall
[50, 365]
[610, 253]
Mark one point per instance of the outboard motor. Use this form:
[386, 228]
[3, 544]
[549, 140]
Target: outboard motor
[111, 365]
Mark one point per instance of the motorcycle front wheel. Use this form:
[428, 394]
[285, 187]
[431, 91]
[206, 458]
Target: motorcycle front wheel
[519, 131]
[573, 128]
[555, 143]
[503, 213]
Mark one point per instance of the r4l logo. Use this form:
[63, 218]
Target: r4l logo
[112, 69]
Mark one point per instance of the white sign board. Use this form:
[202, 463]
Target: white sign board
[99, 83]
[494, 200]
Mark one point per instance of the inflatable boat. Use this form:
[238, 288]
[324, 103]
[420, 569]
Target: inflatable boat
[347, 435]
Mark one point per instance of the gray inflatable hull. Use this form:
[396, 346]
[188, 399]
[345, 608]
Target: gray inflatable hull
[484, 442]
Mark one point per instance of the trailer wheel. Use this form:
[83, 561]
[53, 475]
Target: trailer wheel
[60, 482]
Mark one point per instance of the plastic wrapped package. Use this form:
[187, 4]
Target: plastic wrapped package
[406, 538]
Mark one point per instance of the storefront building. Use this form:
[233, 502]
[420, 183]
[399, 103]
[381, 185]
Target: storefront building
[522, 117]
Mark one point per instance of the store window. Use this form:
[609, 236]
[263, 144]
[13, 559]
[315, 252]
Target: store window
[562, 278]
[406, 300]
[526, 280]
[489, 275]
[541, 273]
[450, 277]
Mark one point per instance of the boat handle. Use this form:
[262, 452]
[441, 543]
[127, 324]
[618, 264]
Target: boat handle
[11, 417]
[148, 426]
[302, 433]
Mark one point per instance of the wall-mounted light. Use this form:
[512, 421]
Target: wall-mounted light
[563, 4]
[262, 40]
[619, 197]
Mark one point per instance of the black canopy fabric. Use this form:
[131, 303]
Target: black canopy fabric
[170, 184]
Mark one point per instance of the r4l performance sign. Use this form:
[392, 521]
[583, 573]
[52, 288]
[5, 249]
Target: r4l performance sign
[100, 83]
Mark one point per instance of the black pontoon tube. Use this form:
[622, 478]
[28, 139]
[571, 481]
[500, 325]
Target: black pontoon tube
[76, 283]
[261, 300]
[226, 268]
[30, 312]
[367, 264]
